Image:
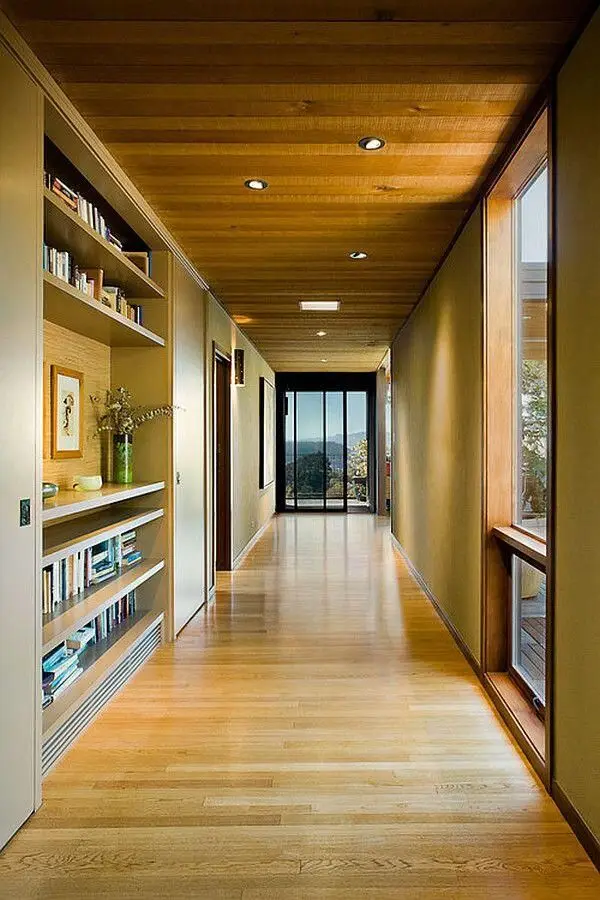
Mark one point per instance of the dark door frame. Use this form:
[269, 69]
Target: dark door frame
[222, 474]
[324, 381]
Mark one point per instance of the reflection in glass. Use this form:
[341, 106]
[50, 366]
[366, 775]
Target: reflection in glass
[532, 356]
[529, 625]
[358, 455]
[310, 459]
[334, 448]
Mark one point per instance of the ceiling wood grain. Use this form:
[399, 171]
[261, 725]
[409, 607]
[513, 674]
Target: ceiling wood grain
[192, 98]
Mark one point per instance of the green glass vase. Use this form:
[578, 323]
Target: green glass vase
[123, 458]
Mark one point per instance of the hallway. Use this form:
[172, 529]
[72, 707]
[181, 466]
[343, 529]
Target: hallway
[315, 733]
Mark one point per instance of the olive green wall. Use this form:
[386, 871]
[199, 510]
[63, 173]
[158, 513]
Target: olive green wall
[577, 555]
[251, 506]
[437, 375]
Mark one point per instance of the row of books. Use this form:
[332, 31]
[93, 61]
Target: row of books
[84, 209]
[90, 282]
[69, 576]
[63, 666]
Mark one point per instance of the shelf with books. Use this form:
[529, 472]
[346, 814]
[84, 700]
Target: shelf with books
[67, 230]
[76, 535]
[68, 503]
[97, 662]
[72, 614]
[69, 307]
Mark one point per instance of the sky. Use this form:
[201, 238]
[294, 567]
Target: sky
[310, 414]
[534, 220]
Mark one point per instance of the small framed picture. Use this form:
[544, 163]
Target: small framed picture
[67, 413]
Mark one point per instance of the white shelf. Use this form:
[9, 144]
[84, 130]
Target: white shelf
[66, 230]
[67, 503]
[74, 613]
[77, 534]
[69, 307]
[98, 661]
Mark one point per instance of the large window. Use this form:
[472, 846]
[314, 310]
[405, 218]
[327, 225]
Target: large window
[518, 445]
[531, 355]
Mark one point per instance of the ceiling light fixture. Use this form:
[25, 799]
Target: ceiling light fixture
[321, 333]
[324, 359]
[319, 305]
[256, 184]
[371, 143]
[358, 254]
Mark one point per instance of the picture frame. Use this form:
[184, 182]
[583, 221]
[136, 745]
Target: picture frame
[267, 433]
[66, 413]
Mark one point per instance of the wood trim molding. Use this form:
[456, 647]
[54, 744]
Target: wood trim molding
[582, 830]
[251, 543]
[526, 546]
[462, 646]
[520, 719]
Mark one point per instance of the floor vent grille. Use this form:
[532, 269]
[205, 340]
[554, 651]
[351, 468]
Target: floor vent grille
[71, 728]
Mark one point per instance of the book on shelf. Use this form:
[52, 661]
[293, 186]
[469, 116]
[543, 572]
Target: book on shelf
[90, 214]
[67, 577]
[66, 662]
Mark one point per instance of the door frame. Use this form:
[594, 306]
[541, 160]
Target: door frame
[220, 356]
[324, 382]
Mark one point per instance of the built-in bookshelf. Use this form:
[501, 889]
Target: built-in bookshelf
[105, 559]
[69, 307]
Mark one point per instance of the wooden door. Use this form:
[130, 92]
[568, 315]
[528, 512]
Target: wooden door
[222, 464]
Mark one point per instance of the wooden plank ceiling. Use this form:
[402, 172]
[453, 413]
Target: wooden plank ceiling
[193, 98]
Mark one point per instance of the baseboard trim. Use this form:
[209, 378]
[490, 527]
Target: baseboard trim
[462, 646]
[253, 540]
[583, 832]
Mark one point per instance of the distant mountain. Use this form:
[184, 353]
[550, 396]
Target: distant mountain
[353, 439]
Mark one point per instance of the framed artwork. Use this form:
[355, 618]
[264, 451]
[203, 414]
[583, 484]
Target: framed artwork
[66, 416]
[267, 433]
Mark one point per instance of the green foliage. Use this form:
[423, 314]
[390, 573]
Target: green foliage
[309, 474]
[359, 460]
[534, 436]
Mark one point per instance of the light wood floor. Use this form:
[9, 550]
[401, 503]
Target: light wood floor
[314, 734]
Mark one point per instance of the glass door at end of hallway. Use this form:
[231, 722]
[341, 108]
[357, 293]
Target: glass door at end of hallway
[326, 450]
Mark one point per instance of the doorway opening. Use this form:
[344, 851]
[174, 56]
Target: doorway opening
[327, 459]
[222, 462]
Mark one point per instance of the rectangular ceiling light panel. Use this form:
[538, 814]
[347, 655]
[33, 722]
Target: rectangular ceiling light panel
[320, 305]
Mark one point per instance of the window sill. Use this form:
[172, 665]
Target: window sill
[528, 547]
[523, 717]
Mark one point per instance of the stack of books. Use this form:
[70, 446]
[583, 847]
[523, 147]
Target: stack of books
[64, 664]
[69, 576]
[84, 209]
[60, 669]
[128, 554]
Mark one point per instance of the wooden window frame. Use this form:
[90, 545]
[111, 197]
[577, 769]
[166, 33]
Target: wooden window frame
[501, 538]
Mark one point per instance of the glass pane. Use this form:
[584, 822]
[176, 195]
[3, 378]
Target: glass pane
[290, 480]
[310, 460]
[358, 456]
[529, 625]
[532, 357]
[334, 448]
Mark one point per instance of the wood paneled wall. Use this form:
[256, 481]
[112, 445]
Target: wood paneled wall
[74, 351]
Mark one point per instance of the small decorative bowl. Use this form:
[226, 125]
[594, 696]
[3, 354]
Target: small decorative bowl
[49, 489]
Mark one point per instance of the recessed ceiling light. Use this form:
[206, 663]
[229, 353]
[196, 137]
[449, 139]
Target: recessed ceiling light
[256, 184]
[320, 305]
[358, 254]
[371, 143]
[321, 333]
